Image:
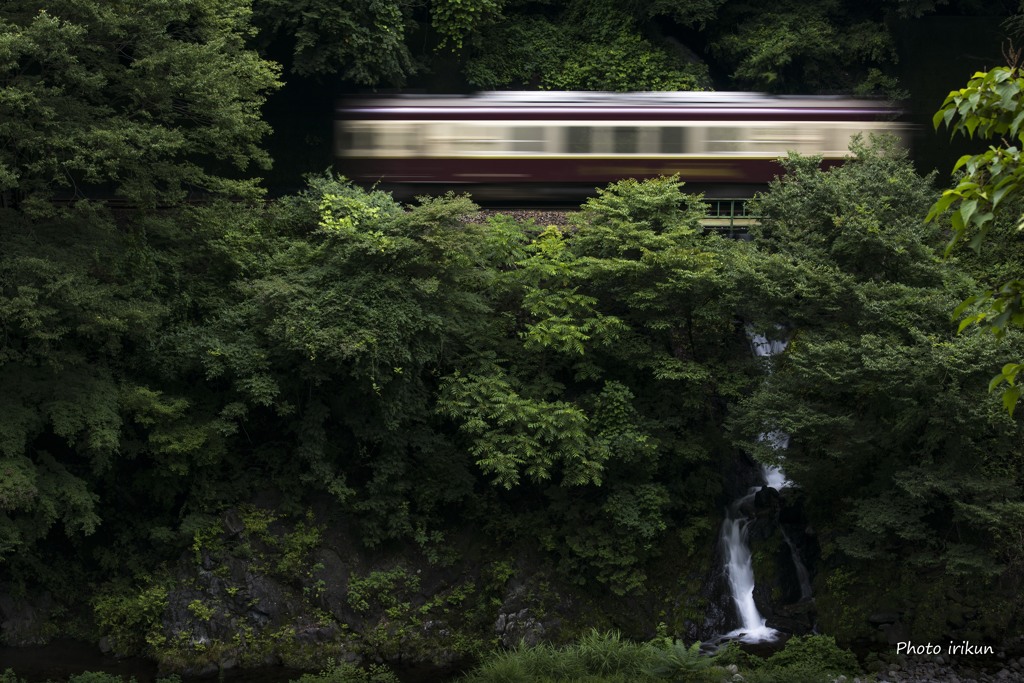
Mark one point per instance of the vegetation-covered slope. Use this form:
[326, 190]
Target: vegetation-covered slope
[581, 391]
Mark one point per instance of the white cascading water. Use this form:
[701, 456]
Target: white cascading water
[740, 570]
[738, 562]
[774, 476]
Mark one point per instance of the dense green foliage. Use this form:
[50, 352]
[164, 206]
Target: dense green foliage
[152, 102]
[390, 359]
[570, 386]
[360, 40]
[418, 374]
[874, 378]
[629, 315]
[607, 658]
[991, 105]
[636, 46]
[393, 358]
[835, 46]
[792, 45]
[583, 46]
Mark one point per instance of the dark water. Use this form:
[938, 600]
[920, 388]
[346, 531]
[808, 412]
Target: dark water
[60, 659]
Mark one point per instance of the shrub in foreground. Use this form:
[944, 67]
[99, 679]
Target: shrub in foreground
[607, 658]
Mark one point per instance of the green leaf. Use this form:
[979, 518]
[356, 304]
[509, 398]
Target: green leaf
[962, 160]
[1010, 398]
[968, 321]
[971, 123]
[995, 382]
[1000, 192]
[1015, 124]
[967, 209]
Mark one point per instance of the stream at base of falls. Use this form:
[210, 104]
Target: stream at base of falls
[739, 568]
[735, 540]
[739, 571]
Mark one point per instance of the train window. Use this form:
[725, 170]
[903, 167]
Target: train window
[528, 139]
[475, 139]
[762, 139]
[649, 141]
[493, 139]
[393, 138]
[416, 139]
[579, 140]
[342, 139]
[625, 140]
[353, 137]
[727, 139]
[362, 138]
[672, 140]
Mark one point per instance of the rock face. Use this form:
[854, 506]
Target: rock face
[718, 611]
[259, 589]
[225, 613]
[516, 622]
[788, 555]
[25, 620]
[263, 590]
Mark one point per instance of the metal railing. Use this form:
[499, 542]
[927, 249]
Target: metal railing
[729, 216]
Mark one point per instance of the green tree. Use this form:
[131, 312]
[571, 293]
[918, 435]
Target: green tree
[697, 13]
[146, 101]
[455, 19]
[991, 106]
[332, 343]
[795, 47]
[585, 46]
[619, 350]
[363, 41]
[874, 378]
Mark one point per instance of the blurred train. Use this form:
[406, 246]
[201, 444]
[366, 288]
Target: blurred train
[561, 145]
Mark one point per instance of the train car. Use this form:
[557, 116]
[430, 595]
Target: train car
[537, 145]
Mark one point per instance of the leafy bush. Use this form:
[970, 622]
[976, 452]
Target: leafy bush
[96, 677]
[131, 617]
[527, 664]
[731, 653]
[596, 657]
[814, 653]
[607, 653]
[677, 660]
[600, 658]
[349, 673]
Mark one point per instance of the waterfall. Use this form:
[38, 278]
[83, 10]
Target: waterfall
[735, 546]
[779, 441]
[765, 347]
[739, 568]
[773, 475]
